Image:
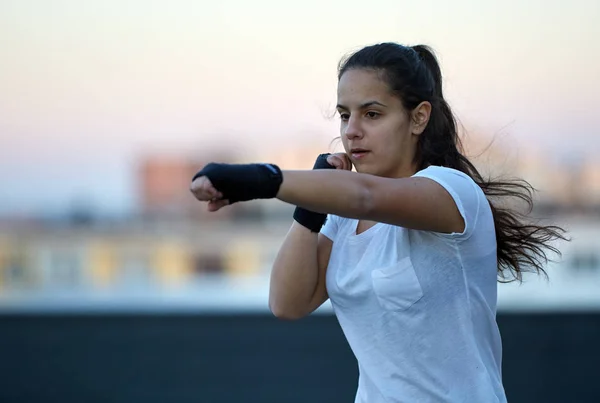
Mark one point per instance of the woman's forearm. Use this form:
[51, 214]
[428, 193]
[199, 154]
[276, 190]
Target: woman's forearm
[338, 192]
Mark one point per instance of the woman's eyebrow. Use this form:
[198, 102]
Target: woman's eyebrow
[363, 106]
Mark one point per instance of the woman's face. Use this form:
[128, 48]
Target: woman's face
[379, 135]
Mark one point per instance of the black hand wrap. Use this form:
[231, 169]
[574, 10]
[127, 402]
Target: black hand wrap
[309, 219]
[242, 182]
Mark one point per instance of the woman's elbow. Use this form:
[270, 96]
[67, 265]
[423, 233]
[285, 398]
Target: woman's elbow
[285, 313]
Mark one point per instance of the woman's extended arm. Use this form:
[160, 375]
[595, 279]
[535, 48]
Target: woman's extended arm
[415, 202]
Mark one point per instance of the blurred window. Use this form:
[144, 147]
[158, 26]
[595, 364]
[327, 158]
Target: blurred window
[65, 269]
[209, 264]
[16, 274]
[134, 269]
[585, 262]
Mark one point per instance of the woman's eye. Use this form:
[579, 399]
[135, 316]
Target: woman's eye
[373, 115]
[344, 116]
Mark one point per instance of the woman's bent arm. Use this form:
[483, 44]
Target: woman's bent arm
[298, 276]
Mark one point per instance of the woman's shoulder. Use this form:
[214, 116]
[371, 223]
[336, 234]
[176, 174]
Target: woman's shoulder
[451, 179]
[442, 171]
[468, 196]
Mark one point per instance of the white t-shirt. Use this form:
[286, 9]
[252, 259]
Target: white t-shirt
[418, 308]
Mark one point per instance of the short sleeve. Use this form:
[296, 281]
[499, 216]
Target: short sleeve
[467, 195]
[330, 229]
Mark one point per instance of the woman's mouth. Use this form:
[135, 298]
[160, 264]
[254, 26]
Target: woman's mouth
[358, 153]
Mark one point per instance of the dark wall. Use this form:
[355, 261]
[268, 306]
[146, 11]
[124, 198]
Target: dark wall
[177, 358]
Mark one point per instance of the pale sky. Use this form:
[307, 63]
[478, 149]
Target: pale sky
[86, 86]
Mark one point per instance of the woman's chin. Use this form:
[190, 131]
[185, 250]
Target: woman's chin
[362, 169]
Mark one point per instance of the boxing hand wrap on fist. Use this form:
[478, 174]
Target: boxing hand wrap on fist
[243, 182]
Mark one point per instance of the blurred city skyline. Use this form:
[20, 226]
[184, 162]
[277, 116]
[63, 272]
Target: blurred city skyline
[88, 88]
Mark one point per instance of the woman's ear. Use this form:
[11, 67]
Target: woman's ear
[420, 117]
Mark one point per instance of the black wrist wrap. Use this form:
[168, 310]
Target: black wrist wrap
[309, 219]
[242, 182]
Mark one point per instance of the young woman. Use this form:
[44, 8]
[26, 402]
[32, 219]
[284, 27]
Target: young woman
[413, 245]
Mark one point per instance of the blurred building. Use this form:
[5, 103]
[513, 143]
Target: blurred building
[164, 182]
[175, 243]
[135, 254]
[572, 184]
[588, 180]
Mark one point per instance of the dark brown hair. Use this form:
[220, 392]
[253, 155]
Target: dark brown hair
[414, 75]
